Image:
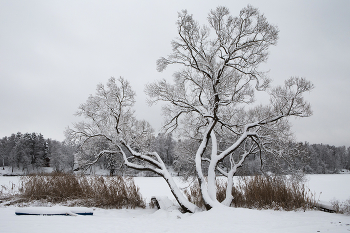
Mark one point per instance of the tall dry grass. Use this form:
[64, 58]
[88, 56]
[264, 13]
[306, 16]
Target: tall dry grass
[107, 192]
[261, 192]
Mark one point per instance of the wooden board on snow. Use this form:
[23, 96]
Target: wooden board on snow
[326, 207]
[49, 211]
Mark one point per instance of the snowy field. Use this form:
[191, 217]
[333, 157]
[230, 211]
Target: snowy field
[325, 187]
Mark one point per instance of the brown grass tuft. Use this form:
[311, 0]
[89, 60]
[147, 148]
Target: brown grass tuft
[275, 192]
[108, 192]
[260, 192]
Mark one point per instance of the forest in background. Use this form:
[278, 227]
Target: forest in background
[30, 152]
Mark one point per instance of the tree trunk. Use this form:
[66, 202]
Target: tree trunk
[186, 205]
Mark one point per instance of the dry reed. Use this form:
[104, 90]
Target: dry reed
[260, 192]
[107, 192]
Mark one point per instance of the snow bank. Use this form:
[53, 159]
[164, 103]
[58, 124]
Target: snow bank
[146, 220]
[165, 203]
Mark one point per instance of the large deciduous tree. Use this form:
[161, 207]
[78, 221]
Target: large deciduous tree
[210, 96]
[209, 102]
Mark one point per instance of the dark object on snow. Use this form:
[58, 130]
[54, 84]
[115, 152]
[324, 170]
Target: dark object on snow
[325, 207]
[65, 214]
[155, 202]
[51, 211]
[163, 202]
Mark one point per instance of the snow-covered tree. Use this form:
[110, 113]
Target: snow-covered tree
[211, 96]
[3, 151]
[109, 116]
[60, 155]
[211, 101]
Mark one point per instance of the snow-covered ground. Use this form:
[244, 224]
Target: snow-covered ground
[226, 219]
[148, 220]
[329, 187]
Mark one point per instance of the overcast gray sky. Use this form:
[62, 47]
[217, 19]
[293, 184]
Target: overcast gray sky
[54, 53]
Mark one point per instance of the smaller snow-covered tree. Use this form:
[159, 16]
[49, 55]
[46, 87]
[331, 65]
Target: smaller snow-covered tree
[109, 116]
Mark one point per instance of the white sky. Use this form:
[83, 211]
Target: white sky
[54, 53]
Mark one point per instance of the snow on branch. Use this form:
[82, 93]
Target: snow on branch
[97, 157]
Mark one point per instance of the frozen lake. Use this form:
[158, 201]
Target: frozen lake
[324, 187]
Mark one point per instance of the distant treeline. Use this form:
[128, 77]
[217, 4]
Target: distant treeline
[312, 159]
[326, 159]
[31, 151]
